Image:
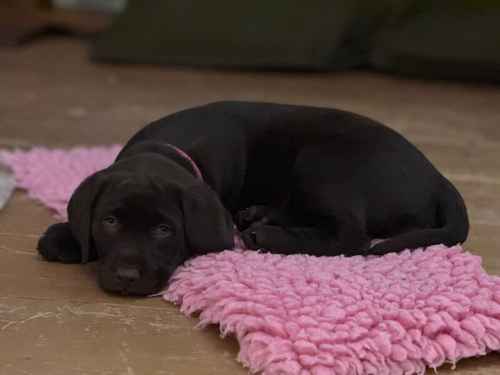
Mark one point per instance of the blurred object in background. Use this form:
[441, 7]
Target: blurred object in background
[95, 5]
[259, 34]
[23, 20]
[7, 185]
[427, 38]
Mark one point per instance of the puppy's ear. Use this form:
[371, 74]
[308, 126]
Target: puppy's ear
[80, 210]
[207, 224]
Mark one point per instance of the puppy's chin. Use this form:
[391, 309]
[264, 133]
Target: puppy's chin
[143, 287]
[132, 291]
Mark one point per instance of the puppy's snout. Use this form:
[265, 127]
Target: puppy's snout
[128, 274]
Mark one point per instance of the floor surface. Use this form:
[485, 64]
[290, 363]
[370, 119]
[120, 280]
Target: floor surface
[53, 318]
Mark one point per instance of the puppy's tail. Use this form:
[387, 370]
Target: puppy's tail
[453, 220]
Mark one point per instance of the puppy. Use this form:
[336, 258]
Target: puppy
[293, 179]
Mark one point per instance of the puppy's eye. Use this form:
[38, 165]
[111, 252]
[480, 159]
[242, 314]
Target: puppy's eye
[110, 220]
[163, 230]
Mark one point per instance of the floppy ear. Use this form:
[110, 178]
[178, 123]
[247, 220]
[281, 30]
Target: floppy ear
[80, 209]
[207, 224]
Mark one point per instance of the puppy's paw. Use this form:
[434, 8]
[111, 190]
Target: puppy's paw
[57, 244]
[265, 237]
[249, 237]
[251, 215]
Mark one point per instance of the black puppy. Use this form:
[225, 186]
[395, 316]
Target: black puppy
[293, 179]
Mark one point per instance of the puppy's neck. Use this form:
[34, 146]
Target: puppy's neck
[171, 152]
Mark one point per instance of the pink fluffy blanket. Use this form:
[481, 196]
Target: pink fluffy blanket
[304, 315]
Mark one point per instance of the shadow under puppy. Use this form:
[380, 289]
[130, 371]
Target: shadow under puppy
[293, 179]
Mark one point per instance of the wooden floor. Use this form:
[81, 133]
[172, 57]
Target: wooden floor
[53, 318]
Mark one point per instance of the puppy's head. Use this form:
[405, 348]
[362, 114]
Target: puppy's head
[142, 226]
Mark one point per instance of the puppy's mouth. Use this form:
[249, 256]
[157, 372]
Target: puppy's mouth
[130, 283]
[132, 290]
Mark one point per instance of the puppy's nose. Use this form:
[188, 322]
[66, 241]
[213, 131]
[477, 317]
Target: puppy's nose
[128, 274]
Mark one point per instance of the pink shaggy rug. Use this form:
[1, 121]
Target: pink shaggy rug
[50, 176]
[304, 315]
[298, 314]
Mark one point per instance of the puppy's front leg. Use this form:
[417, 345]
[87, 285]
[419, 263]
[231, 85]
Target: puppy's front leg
[259, 215]
[57, 244]
[304, 240]
[282, 240]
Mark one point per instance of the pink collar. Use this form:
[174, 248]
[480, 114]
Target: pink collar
[185, 156]
[238, 241]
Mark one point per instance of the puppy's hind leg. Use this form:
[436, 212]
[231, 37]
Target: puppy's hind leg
[57, 244]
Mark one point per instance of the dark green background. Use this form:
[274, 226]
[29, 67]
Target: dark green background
[441, 39]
